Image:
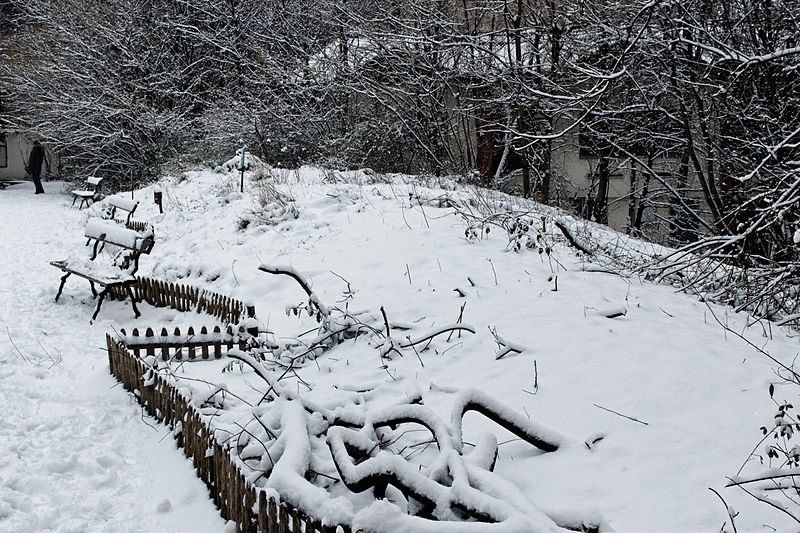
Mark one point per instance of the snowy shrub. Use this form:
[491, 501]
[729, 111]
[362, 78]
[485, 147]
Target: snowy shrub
[526, 232]
[781, 454]
[265, 193]
[251, 163]
[271, 214]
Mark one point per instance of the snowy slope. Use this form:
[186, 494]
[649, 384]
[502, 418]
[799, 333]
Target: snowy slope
[367, 244]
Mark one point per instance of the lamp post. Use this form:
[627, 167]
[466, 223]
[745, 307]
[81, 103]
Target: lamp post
[241, 167]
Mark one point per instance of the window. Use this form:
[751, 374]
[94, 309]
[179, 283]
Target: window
[3, 151]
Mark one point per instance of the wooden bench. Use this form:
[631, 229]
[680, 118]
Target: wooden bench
[121, 272]
[123, 205]
[90, 193]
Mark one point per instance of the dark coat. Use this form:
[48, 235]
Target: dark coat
[35, 160]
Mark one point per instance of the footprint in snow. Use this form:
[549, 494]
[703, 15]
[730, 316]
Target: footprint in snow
[63, 466]
[73, 525]
[109, 480]
[106, 461]
[164, 506]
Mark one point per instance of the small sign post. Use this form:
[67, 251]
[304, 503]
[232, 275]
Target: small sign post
[157, 198]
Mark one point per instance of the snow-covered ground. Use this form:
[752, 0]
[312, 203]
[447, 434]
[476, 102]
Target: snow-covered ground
[77, 455]
[82, 458]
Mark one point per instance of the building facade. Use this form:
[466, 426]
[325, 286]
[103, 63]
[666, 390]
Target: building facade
[14, 151]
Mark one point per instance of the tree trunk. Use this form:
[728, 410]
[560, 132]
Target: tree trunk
[601, 202]
[543, 167]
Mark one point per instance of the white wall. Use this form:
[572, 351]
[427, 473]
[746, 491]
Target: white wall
[18, 149]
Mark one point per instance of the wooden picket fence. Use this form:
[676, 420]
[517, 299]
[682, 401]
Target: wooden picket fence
[185, 298]
[137, 225]
[175, 344]
[238, 500]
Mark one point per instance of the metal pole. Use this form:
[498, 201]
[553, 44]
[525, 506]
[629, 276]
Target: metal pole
[241, 165]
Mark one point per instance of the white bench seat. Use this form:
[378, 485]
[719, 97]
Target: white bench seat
[120, 273]
[83, 194]
[90, 193]
[100, 273]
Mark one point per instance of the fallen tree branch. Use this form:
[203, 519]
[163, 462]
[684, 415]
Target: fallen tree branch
[504, 346]
[571, 238]
[443, 329]
[301, 280]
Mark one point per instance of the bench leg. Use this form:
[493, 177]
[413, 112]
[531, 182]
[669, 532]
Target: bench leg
[94, 291]
[99, 303]
[61, 287]
[73, 201]
[136, 312]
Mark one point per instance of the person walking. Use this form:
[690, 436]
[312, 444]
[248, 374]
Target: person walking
[34, 168]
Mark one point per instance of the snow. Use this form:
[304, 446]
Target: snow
[97, 270]
[120, 202]
[475, 400]
[114, 233]
[251, 162]
[78, 454]
[289, 469]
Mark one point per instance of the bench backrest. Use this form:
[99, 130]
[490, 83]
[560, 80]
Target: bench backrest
[122, 204]
[125, 204]
[94, 182]
[112, 233]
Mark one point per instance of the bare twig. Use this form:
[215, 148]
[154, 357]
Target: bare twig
[493, 271]
[386, 322]
[620, 414]
[460, 317]
[731, 514]
[770, 502]
[504, 346]
[8, 332]
[795, 376]
[445, 329]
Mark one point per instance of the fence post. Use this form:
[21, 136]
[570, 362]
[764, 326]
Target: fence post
[217, 343]
[283, 518]
[110, 348]
[164, 344]
[296, 521]
[262, 512]
[135, 333]
[149, 334]
[229, 335]
[204, 346]
[190, 341]
[272, 516]
[242, 343]
[178, 349]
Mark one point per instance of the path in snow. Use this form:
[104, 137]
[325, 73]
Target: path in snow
[77, 455]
